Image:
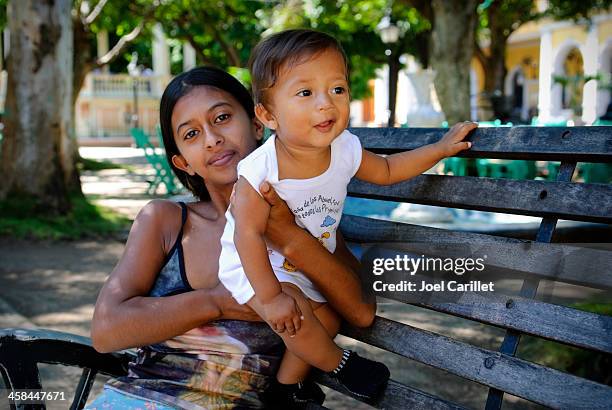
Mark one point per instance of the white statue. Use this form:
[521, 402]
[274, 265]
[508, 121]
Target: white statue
[423, 114]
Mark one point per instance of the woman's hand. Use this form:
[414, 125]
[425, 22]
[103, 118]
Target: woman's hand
[229, 308]
[452, 142]
[281, 221]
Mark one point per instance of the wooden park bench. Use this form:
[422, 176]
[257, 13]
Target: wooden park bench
[535, 259]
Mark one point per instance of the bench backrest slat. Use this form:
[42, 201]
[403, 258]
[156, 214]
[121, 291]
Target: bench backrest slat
[559, 323]
[563, 200]
[518, 377]
[360, 229]
[580, 144]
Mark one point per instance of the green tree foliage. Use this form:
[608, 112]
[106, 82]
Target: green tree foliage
[576, 9]
[222, 33]
[3, 13]
[353, 23]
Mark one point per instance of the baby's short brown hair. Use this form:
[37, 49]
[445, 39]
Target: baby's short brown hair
[286, 48]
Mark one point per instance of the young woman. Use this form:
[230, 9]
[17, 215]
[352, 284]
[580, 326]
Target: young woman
[199, 348]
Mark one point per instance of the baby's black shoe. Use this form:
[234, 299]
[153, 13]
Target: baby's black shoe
[293, 396]
[360, 376]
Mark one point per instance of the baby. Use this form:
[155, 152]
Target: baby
[300, 86]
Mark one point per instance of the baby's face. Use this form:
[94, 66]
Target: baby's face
[309, 103]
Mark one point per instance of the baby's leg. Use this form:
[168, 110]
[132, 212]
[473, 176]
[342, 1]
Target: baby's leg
[312, 343]
[293, 369]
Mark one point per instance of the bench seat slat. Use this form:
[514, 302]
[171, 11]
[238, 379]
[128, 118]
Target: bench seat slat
[563, 200]
[516, 376]
[580, 144]
[397, 396]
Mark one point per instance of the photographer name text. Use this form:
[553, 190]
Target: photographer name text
[441, 286]
[412, 265]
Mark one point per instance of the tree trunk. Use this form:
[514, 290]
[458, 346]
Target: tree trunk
[453, 47]
[494, 63]
[83, 56]
[37, 156]
[495, 68]
[81, 66]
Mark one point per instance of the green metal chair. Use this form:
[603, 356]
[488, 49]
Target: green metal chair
[560, 123]
[596, 173]
[160, 138]
[591, 172]
[501, 168]
[600, 173]
[553, 169]
[163, 172]
[456, 166]
[495, 123]
[601, 122]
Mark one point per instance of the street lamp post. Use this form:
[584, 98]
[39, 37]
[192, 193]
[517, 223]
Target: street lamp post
[134, 70]
[389, 34]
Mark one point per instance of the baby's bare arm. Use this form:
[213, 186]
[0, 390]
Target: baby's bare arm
[251, 213]
[405, 165]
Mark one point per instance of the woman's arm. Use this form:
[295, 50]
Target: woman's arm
[334, 275]
[124, 316]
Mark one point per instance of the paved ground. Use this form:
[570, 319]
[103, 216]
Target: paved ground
[54, 285]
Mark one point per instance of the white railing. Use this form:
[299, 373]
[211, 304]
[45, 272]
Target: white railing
[106, 104]
[122, 85]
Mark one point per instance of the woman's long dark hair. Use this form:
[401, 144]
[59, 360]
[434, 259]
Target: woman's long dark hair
[182, 85]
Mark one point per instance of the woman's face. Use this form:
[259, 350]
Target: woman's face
[213, 133]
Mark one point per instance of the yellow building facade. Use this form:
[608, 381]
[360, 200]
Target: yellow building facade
[558, 71]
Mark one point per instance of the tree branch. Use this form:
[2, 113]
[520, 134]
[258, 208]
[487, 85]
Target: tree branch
[95, 13]
[121, 45]
[209, 26]
[125, 40]
[229, 49]
[231, 52]
[191, 40]
[77, 9]
[182, 22]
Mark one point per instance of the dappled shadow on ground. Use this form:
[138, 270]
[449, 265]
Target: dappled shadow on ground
[56, 284]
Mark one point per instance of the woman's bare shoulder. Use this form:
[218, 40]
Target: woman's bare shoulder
[161, 218]
[159, 208]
